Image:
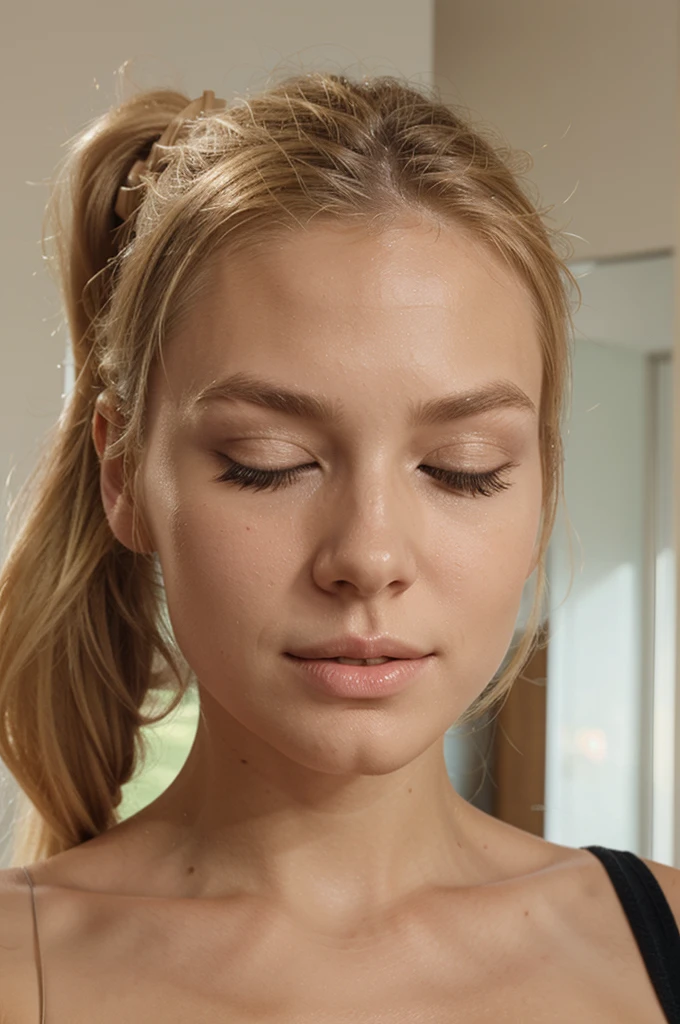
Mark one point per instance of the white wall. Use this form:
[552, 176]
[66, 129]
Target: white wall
[628, 302]
[588, 87]
[596, 682]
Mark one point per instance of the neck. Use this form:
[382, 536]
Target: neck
[326, 848]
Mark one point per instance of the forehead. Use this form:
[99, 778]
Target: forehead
[411, 304]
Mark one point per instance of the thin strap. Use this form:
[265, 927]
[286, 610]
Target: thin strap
[41, 979]
[652, 922]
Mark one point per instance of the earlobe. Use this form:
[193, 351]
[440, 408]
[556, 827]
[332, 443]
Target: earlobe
[116, 499]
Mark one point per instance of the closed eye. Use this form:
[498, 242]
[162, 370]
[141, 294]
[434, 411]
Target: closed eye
[476, 484]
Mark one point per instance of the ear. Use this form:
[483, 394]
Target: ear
[107, 426]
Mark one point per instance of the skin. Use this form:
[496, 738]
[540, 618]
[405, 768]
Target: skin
[337, 811]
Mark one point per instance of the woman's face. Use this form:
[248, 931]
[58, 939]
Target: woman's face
[365, 539]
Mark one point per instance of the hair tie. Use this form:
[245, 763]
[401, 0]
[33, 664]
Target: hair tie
[130, 194]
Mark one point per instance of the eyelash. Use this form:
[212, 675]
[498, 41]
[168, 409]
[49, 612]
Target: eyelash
[482, 484]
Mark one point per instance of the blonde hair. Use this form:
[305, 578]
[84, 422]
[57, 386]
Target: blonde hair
[84, 636]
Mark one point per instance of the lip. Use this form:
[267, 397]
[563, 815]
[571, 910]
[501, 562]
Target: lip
[360, 648]
[356, 681]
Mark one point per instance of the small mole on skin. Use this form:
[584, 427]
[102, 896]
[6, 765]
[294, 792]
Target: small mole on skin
[190, 869]
[243, 761]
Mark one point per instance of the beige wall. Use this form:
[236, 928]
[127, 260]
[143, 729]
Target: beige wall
[58, 69]
[588, 88]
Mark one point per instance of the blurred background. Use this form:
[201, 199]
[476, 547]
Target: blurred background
[586, 750]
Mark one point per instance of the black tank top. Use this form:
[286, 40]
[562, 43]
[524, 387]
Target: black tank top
[651, 920]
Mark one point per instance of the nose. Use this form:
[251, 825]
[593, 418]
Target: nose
[368, 541]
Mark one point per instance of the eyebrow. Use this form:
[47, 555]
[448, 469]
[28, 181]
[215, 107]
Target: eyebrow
[247, 388]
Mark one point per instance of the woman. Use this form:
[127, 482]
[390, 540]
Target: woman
[322, 351]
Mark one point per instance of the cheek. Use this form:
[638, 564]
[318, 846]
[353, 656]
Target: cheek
[483, 566]
[223, 570]
[218, 555]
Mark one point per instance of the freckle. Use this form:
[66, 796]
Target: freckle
[191, 869]
[526, 913]
[410, 790]
[243, 761]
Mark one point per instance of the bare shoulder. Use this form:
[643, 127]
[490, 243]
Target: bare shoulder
[15, 918]
[19, 999]
[669, 880]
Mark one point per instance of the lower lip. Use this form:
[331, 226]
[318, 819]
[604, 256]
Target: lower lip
[337, 680]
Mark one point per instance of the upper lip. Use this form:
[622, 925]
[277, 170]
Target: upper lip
[360, 647]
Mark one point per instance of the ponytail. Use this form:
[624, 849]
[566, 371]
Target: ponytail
[81, 616]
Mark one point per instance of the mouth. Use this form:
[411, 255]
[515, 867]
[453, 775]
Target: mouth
[354, 678]
[350, 661]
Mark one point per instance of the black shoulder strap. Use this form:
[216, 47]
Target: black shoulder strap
[651, 920]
